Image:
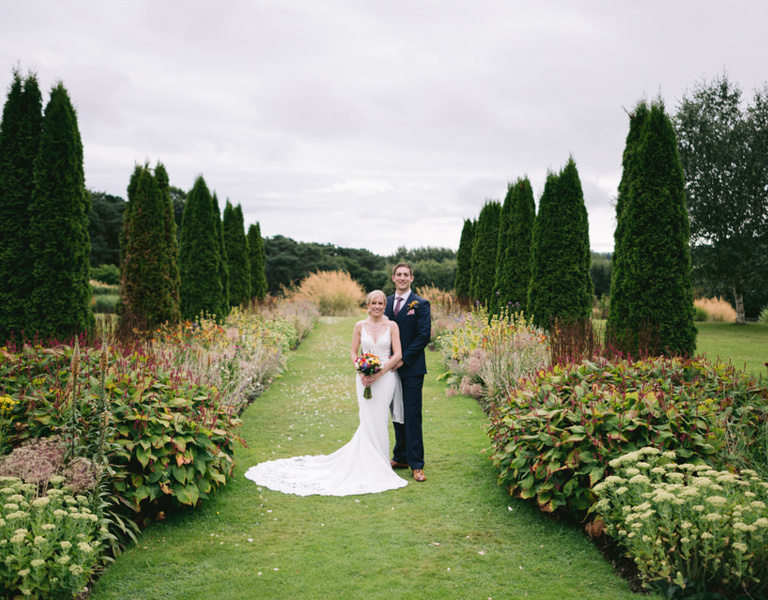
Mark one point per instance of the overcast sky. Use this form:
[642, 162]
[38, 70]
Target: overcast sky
[374, 123]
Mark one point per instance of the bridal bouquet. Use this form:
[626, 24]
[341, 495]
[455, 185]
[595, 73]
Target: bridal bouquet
[367, 364]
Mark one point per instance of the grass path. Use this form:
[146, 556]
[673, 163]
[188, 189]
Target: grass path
[457, 536]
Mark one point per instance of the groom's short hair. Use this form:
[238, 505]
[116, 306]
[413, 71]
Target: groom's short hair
[403, 264]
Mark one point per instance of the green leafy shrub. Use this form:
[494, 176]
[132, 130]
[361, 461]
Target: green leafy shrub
[103, 289]
[167, 427]
[177, 441]
[763, 317]
[690, 528]
[554, 436]
[107, 274]
[51, 543]
[171, 406]
[699, 314]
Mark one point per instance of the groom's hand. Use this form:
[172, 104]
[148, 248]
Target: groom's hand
[398, 365]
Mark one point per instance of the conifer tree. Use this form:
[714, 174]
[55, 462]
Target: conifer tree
[59, 305]
[656, 245]
[464, 262]
[560, 286]
[503, 282]
[148, 290]
[484, 249]
[238, 261]
[618, 326]
[518, 257]
[257, 261]
[20, 131]
[223, 310]
[199, 260]
[171, 244]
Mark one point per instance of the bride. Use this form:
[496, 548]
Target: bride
[361, 466]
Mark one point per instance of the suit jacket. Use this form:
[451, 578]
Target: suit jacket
[415, 326]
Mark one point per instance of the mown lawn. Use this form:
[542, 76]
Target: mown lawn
[456, 536]
[746, 346]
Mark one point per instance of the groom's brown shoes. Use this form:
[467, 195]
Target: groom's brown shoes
[397, 465]
[418, 475]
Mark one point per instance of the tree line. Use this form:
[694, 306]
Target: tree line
[513, 257]
[44, 285]
[47, 221]
[286, 261]
[176, 254]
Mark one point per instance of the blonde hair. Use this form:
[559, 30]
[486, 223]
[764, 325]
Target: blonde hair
[375, 294]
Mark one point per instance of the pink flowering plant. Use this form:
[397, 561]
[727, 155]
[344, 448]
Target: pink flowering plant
[690, 528]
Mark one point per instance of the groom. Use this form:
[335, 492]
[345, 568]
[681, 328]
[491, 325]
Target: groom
[411, 313]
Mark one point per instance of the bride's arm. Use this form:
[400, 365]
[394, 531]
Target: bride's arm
[355, 349]
[397, 351]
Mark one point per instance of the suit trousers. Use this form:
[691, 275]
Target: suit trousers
[409, 443]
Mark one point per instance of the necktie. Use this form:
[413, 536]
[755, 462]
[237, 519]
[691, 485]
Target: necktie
[398, 302]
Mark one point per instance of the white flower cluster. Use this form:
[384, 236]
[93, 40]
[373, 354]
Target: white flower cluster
[687, 522]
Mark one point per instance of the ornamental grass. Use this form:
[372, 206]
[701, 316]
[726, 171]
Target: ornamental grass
[716, 310]
[335, 293]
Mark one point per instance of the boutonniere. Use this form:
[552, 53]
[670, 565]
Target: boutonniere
[413, 305]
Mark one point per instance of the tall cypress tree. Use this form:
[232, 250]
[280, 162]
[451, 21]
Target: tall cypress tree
[20, 131]
[223, 309]
[58, 226]
[518, 257]
[171, 245]
[257, 261]
[148, 264]
[238, 261]
[560, 286]
[656, 245]
[484, 249]
[618, 326]
[464, 262]
[199, 260]
[502, 282]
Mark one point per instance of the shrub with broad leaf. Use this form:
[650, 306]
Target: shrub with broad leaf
[555, 435]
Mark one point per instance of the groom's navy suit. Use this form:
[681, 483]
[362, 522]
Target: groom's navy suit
[415, 324]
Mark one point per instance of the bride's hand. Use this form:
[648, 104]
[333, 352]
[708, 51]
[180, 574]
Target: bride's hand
[368, 380]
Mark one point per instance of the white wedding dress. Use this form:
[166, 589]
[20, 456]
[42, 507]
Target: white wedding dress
[361, 466]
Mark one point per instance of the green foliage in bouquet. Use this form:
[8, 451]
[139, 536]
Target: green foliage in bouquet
[554, 436]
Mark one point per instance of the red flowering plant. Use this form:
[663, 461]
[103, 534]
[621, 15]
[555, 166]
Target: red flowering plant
[367, 364]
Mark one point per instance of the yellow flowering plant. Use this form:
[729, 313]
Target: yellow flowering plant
[486, 355]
